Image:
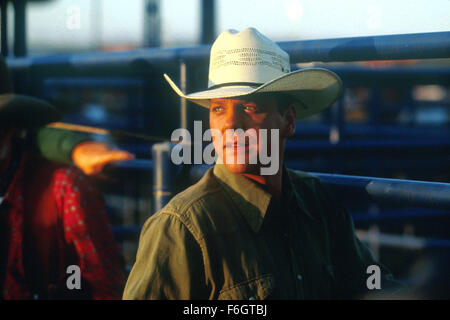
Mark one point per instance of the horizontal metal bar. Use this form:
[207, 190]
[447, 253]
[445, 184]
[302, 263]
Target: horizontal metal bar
[125, 231]
[401, 46]
[160, 57]
[368, 131]
[136, 164]
[389, 165]
[400, 214]
[403, 241]
[85, 82]
[357, 75]
[405, 192]
[363, 145]
[387, 47]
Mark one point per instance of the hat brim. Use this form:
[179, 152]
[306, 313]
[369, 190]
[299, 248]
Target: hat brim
[24, 111]
[315, 89]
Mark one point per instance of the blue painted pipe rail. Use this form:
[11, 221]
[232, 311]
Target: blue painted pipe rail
[135, 164]
[399, 214]
[126, 231]
[387, 47]
[404, 241]
[367, 144]
[406, 192]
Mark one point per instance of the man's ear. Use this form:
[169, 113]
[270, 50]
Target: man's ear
[289, 117]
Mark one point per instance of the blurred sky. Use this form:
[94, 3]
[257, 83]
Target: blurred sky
[86, 24]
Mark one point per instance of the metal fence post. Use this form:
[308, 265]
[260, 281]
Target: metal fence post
[20, 27]
[152, 23]
[162, 174]
[208, 21]
[4, 27]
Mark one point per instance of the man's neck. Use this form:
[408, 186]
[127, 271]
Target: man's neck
[272, 183]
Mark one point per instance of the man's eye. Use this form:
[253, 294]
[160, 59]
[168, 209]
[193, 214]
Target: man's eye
[250, 108]
[217, 109]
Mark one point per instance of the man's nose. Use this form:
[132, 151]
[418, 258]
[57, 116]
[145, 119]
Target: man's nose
[233, 119]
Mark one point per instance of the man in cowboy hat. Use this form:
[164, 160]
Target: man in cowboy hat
[65, 146]
[242, 234]
[51, 216]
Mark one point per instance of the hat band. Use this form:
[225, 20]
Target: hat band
[230, 84]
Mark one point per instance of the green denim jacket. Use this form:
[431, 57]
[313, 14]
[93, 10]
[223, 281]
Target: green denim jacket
[227, 238]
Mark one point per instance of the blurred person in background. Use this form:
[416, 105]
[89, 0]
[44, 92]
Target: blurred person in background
[51, 214]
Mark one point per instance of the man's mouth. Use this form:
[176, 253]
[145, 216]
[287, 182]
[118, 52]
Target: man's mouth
[236, 145]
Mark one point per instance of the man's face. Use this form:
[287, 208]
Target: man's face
[247, 114]
[6, 135]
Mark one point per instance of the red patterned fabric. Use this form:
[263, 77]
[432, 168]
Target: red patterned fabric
[14, 286]
[57, 218]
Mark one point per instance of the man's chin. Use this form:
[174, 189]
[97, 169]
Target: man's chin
[242, 168]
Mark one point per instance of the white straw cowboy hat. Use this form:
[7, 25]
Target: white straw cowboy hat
[247, 62]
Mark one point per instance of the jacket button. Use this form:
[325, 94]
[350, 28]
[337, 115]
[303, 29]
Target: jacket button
[299, 277]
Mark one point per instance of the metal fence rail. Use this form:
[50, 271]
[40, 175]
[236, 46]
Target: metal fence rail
[388, 47]
[402, 241]
[395, 191]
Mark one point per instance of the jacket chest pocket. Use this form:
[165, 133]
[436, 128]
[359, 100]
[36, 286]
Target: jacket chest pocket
[253, 289]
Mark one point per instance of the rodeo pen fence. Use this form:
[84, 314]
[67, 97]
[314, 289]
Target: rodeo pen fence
[417, 194]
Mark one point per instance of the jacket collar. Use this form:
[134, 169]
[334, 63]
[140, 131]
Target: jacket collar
[251, 199]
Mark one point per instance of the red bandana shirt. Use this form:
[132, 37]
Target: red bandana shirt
[53, 218]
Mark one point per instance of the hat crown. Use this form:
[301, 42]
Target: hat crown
[245, 57]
